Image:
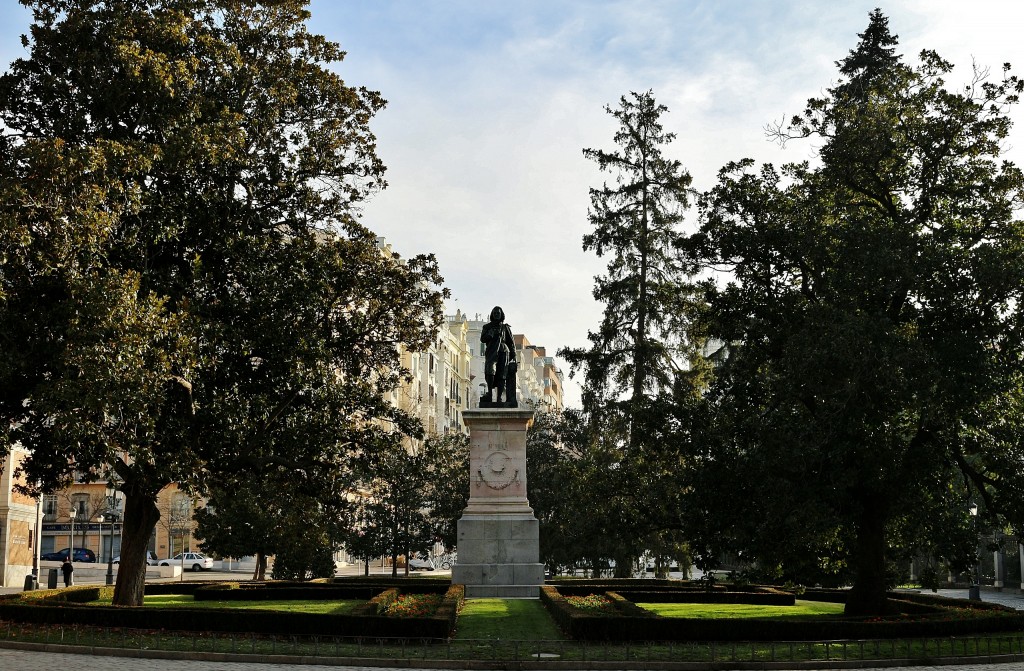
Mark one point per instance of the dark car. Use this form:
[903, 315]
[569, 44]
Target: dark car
[81, 555]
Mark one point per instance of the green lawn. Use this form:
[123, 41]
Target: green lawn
[292, 605]
[738, 610]
[507, 619]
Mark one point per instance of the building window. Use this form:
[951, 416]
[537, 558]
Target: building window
[80, 503]
[50, 505]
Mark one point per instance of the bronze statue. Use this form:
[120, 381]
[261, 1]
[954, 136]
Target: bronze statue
[500, 365]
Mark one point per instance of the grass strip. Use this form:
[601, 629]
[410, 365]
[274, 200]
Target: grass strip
[705, 611]
[288, 605]
[506, 619]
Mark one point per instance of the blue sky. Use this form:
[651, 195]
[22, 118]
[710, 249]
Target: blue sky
[492, 101]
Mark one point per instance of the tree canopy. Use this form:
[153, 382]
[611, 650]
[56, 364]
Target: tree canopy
[635, 349]
[872, 315]
[186, 293]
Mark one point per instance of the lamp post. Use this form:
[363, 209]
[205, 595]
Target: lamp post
[974, 594]
[71, 536]
[111, 516]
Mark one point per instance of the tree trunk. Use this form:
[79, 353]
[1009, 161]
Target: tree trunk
[260, 572]
[868, 595]
[623, 566]
[140, 518]
[366, 568]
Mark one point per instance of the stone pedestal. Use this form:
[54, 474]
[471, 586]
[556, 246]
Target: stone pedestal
[499, 537]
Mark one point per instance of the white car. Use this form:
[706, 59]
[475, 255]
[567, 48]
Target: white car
[421, 563]
[151, 559]
[196, 561]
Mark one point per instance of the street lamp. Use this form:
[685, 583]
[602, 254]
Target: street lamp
[71, 536]
[974, 594]
[111, 516]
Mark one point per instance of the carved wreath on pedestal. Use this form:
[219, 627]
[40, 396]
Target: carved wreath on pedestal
[497, 472]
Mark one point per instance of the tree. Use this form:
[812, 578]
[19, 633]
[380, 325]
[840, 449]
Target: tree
[640, 351]
[186, 294]
[448, 485]
[239, 523]
[411, 497]
[872, 315]
[633, 351]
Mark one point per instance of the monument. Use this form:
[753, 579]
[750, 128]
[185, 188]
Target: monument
[500, 366]
[499, 536]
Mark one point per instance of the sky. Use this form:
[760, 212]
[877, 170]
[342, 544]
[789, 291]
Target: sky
[491, 102]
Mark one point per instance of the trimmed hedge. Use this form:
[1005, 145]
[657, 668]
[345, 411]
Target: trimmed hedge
[292, 591]
[80, 594]
[934, 617]
[766, 598]
[66, 607]
[627, 607]
[584, 586]
[187, 588]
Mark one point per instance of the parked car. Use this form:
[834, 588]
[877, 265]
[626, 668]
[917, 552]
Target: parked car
[197, 561]
[421, 563]
[81, 555]
[151, 559]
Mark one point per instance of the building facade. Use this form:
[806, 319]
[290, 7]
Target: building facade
[439, 386]
[18, 537]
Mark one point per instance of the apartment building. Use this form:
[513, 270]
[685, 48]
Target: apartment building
[439, 388]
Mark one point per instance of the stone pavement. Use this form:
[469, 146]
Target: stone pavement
[1010, 597]
[23, 660]
[26, 660]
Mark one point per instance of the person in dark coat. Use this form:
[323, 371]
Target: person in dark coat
[67, 568]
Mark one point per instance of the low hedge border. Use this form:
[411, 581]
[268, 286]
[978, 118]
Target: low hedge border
[766, 598]
[80, 594]
[69, 607]
[294, 591]
[933, 620]
[584, 586]
[380, 603]
[627, 607]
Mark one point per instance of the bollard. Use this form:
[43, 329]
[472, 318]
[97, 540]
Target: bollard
[51, 579]
[30, 583]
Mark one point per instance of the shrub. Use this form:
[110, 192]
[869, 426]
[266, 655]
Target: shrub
[595, 604]
[413, 605]
[628, 607]
[304, 561]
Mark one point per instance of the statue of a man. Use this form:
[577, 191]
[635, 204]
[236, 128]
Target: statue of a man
[499, 356]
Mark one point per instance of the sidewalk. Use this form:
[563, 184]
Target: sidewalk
[1008, 597]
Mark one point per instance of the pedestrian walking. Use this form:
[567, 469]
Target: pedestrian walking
[68, 569]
